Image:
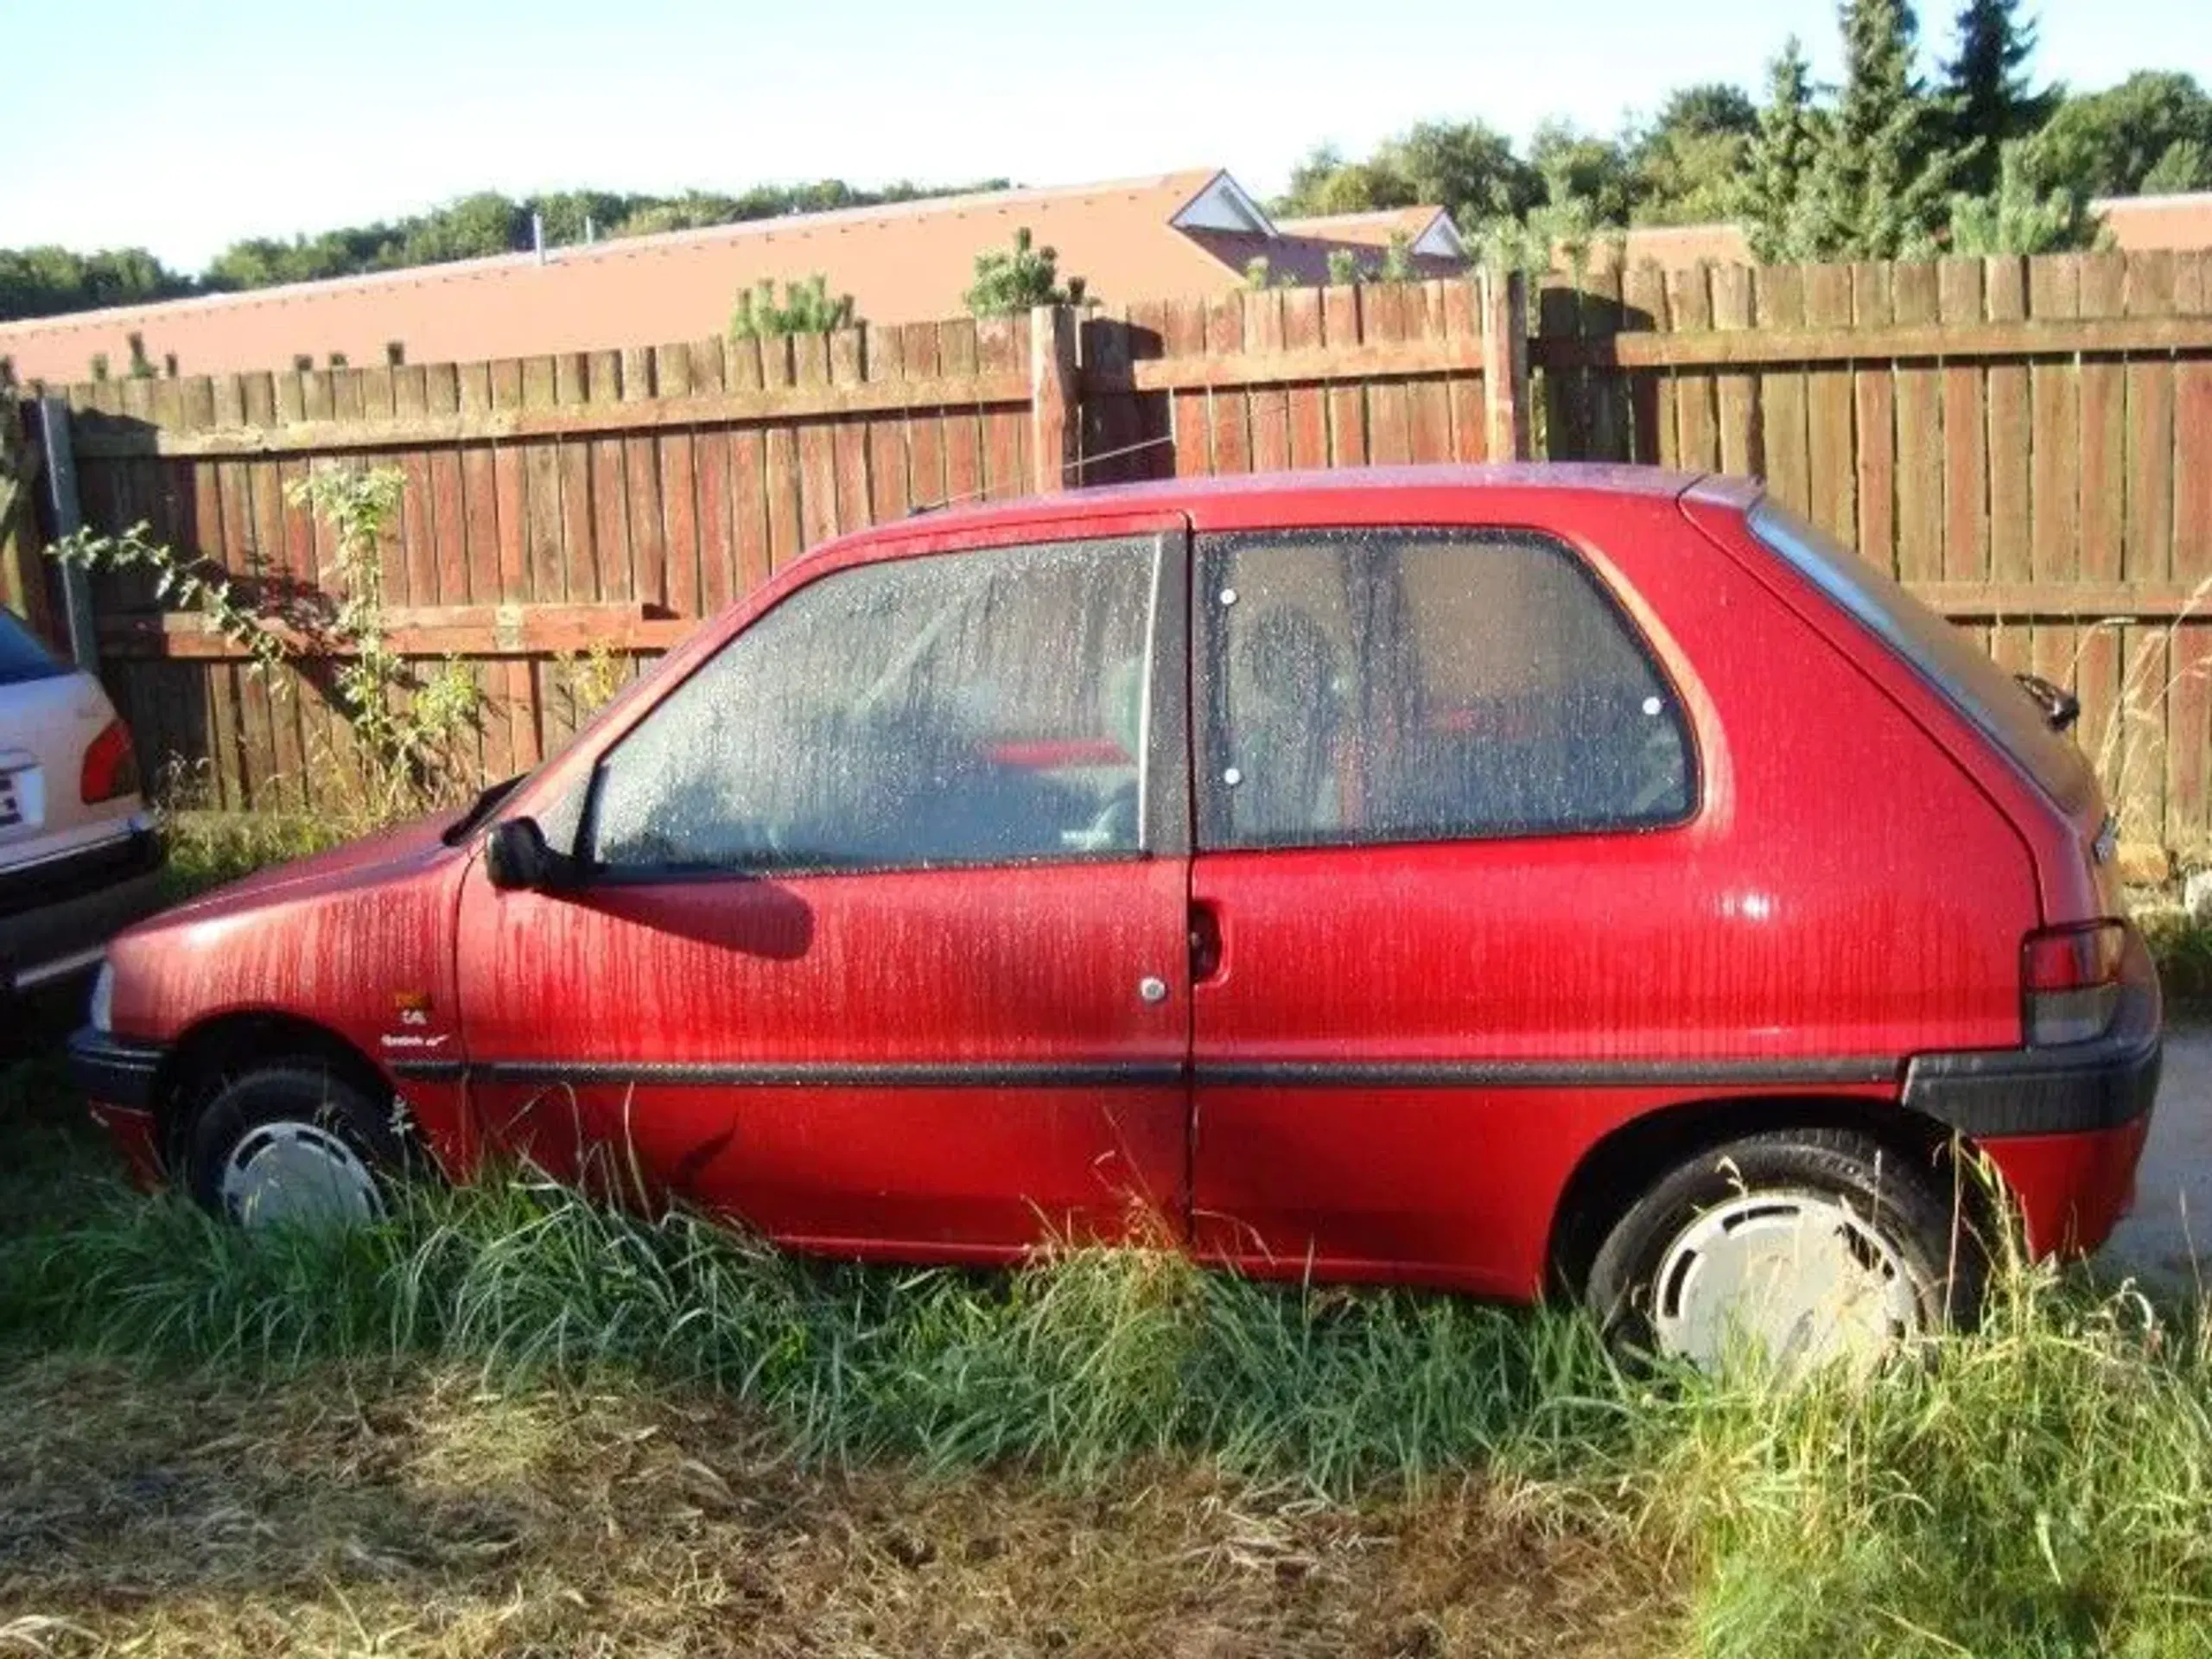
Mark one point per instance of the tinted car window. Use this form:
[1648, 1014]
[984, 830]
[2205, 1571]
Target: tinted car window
[21, 655]
[975, 708]
[1391, 686]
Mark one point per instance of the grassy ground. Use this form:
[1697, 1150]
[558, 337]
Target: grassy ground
[509, 1422]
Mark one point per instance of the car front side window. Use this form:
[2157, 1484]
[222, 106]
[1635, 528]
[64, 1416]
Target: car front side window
[978, 708]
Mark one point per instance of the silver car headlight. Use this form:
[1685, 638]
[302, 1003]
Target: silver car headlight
[102, 1007]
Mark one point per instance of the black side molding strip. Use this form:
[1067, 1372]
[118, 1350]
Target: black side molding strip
[428, 1071]
[1291, 1074]
[886, 1076]
[1549, 1074]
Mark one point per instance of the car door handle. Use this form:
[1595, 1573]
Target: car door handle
[1206, 942]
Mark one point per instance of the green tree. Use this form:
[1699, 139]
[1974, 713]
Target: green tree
[1467, 169]
[1325, 183]
[1987, 87]
[1775, 199]
[2156, 125]
[1009, 281]
[2186, 165]
[808, 307]
[475, 227]
[2018, 218]
[1687, 165]
[45, 282]
[1580, 167]
[1464, 167]
[1881, 176]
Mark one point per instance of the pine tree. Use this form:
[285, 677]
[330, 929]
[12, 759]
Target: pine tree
[1882, 177]
[1986, 89]
[1773, 199]
[808, 307]
[1009, 283]
[2016, 217]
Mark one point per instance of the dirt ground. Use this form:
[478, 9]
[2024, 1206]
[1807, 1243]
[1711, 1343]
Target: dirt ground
[2168, 1237]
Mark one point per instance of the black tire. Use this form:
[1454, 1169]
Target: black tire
[1906, 1202]
[303, 1098]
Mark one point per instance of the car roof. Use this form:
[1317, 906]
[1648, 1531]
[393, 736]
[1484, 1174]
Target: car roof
[1292, 493]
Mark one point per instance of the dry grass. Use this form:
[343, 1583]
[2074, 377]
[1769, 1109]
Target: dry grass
[409, 1506]
[409, 1511]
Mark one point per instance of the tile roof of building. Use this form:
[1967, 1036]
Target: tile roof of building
[904, 262]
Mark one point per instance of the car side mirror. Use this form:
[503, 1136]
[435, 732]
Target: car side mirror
[518, 855]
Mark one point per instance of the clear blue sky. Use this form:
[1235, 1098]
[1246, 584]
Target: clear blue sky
[184, 126]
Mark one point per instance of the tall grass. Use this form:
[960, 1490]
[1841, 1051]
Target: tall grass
[2044, 1487]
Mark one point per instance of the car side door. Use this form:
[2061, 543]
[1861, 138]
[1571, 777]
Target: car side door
[1442, 789]
[879, 944]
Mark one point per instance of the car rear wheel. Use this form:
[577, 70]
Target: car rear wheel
[294, 1144]
[1808, 1247]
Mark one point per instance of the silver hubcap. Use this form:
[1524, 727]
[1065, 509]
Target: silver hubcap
[1796, 1278]
[297, 1174]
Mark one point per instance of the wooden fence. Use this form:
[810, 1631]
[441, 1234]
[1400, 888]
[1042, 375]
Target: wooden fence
[2028, 443]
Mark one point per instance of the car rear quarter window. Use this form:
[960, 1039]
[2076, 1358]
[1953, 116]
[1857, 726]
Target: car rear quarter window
[1993, 700]
[1419, 685]
[21, 655]
[973, 707]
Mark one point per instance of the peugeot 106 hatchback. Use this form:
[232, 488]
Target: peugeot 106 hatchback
[1501, 880]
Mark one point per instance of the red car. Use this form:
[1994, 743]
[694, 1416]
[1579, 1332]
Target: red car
[1495, 880]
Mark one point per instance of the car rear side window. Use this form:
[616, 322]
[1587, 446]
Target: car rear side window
[975, 708]
[1365, 686]
[21, 655]
[1976, 686]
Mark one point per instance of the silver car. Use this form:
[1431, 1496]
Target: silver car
[80, 858]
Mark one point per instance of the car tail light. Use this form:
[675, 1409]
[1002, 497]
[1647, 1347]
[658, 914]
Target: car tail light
[2069, 982]
[111, 766]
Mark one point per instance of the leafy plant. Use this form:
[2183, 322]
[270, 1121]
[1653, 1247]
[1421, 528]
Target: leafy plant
[1009, 283]
[589, 679]
[246, 619]
[1344, 267]
[406, 725]
[1398, 259]
[807, 308]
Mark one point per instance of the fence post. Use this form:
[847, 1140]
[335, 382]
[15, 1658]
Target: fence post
[62, 498]
[1055, 428]
[1505, 362]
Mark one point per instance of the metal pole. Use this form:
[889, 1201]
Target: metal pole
[67, 520]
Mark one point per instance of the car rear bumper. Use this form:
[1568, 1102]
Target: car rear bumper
[2081, 1088]
[2065, 1126]
[56, 916]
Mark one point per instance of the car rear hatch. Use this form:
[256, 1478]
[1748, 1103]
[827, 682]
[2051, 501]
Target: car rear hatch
[2030, 722]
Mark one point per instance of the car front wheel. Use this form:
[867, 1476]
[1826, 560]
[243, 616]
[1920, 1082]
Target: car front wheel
[293, 1144]
[1807, 1246]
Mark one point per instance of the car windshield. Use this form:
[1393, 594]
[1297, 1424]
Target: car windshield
[1995, 701]
[21, 655]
